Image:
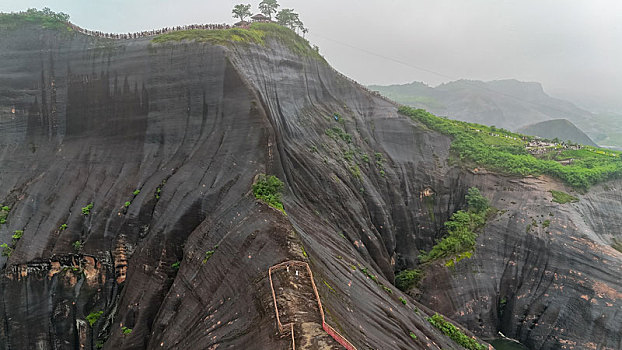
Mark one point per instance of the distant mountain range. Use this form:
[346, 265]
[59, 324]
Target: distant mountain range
[562, 129]
[510, 104]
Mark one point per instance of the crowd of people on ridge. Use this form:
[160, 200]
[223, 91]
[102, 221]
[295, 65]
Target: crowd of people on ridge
[147, 33]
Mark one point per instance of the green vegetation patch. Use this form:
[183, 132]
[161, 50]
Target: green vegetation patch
[461, 228]
[453, 261]
[214, 36]
[329, 286]
[17, 234]
[355, 171]
[257, 33]
[4, 213]
[268, 189]
[455, 333]
[77, 246]
[406, 279]
[208, 255]
[7, 249]
[336, 133]
[373, 278]
[368, 274]
[288, 37]
[87, 210]
[93, 317]
[47, 18]
[506, 152]
[563, 197]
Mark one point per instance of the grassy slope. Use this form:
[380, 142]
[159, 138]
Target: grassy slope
[258, 33]
[505, 152]
[216, 36]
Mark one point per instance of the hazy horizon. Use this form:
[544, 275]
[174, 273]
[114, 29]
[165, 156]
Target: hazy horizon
[571, 49]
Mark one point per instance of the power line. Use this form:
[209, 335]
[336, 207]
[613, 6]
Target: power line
[386, 57]
[420, 68]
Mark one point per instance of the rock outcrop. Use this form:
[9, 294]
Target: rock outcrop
[89, 120]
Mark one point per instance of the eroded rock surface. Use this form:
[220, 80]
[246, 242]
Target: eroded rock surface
[190, 125]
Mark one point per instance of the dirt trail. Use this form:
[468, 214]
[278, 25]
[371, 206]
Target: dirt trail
[297, 304]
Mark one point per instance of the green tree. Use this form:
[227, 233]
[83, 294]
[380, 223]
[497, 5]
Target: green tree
[77, 246]
[268, 189]
[241, 11]
[476, 201]
[288, 18]
[268, 7]
[93, 317]
[299, 25]
[408, 278]
[46, 12]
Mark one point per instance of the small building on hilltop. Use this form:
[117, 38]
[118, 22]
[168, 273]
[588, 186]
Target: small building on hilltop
[260, 18]
[242, 24]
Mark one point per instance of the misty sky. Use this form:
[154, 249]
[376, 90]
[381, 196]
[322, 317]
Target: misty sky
[574, 48]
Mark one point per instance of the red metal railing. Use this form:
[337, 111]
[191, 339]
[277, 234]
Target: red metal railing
[327, 328]
[338, 337]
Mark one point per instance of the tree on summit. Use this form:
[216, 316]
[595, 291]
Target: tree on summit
[241, 11]
[289, 18]
[268, 7]
[49, 13]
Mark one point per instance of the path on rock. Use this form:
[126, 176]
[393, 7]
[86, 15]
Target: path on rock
[296, 303]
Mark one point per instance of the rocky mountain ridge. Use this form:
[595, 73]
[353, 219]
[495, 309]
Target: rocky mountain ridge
[510, 104]
[190, 125]
[561, 129]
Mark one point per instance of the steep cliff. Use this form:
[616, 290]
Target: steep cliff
[165, 140]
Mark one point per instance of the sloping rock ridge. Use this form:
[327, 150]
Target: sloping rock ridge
[165, 141]
[558, 128]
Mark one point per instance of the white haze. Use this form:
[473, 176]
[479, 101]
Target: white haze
[574, 48]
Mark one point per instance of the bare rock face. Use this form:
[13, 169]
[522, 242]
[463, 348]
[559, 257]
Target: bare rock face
[183, 262]
[543, 272]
